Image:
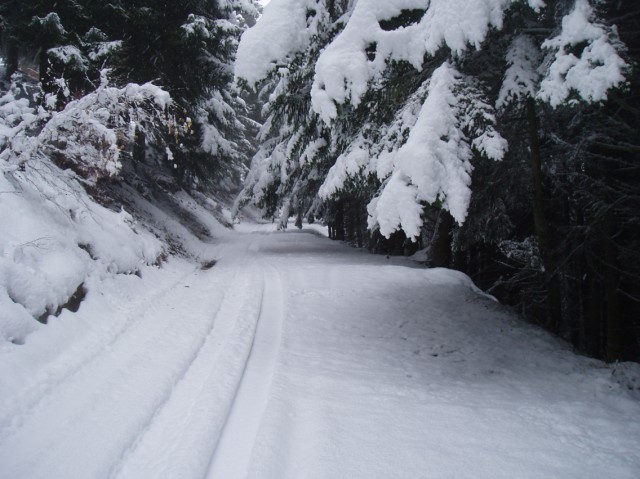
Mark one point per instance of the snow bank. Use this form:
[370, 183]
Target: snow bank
[54, 235]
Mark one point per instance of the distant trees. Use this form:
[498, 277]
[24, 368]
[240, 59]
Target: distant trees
[501, 136]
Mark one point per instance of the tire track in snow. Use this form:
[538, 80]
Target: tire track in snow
[15, 411]
[196, 408]
[122, 379]
[231, 458]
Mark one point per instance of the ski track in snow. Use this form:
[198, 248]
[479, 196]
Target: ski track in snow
[233, 454]
[298, 357]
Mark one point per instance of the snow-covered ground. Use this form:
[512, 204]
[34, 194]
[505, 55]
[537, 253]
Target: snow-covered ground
[298, 357]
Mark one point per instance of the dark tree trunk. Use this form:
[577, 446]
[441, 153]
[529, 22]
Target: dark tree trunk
[299, 218]
[339, 221]
[542, 231]
[12, 58]
[615, 344]
[139, 147]
[440, 247]
[593, 333]
[331, 8]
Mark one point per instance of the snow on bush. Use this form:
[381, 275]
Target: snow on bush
[54, 235]
[16, 114]
[90, 134]
[69, 56]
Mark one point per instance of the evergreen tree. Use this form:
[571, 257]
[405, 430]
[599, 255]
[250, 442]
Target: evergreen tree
[186, 48]
[294, 145]
[402, 102]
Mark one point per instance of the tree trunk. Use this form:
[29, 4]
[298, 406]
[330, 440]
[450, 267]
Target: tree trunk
[593, 319]
[542, 232]
[615, 343]
[339, 221]
[299, 218]
[331, 9]
[440, 247]
[12, 58]
[139, 146]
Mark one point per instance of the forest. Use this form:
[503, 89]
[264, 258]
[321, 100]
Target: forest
[499, 138]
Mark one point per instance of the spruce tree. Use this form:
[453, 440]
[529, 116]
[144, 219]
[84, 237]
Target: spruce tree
[534, 74]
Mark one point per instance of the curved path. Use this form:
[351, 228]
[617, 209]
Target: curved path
[298, 357]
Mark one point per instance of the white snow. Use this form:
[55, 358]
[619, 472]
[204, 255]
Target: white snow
[54, 239]
[344, 70]
[597, 69]
[522, 77]
[296, 356]
[271, 355]
[284, 28]
[434, 163]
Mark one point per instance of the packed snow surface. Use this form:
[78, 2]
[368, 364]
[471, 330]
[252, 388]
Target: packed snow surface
[295, 356]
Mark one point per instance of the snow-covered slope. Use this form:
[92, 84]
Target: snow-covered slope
[68, 214]
[54, 239]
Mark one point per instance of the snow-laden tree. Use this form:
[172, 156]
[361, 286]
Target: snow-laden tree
[187, 48]
[369, 44]
[434, 165]
[291, 160]
[375, 37]
[454, 123]
[580, 64]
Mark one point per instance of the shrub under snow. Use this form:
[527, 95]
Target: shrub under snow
[55, 238]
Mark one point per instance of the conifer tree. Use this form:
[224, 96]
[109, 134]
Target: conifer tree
[450, 122]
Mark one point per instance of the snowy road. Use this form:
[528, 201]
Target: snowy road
[298, 357]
